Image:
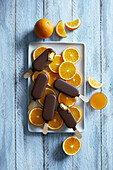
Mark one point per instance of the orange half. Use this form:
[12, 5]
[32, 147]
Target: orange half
[68, 101]
[71, 145]
[73, 24]
[60, 29]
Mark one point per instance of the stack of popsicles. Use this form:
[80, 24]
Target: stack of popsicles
[50, 100]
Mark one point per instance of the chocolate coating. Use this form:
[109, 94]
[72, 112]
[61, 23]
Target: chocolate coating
[49, 107]
[39, 86]
[66, 88]
[67, 117]
[42, 61]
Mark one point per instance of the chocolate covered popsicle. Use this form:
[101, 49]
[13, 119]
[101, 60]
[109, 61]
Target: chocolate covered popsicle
[68, 89]
[38, 88]
[68, 118]
[48, 110]
[41, 62]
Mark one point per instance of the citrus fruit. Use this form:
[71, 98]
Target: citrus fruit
[71, 145]
[77, 112]
[68, 101]
[94, 84]
[52, 78]
[73, 24]
[56, 123]
[60, 29]
[36, 73]
[71, 54]
[47, 91]
[35, 116]
[77, 80]
[67, 70]
[38, 51]
[54, 66]
[43, 28]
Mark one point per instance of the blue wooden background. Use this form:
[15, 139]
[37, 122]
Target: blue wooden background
[22, 150]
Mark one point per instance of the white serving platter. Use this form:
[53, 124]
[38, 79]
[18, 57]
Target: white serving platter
[59, 47]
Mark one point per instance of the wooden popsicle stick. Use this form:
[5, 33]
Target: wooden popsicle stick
[45, 129]
[78, 134]
[31, 105]
[28, 74]
[84, 98]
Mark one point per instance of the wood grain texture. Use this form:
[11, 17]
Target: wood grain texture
[7, 84]
[29, 147]
[107, 79]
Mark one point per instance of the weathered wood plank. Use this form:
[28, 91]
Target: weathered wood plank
[89, 32]
[29, 147]
[7, 84]
[54, 155]
[107, 79]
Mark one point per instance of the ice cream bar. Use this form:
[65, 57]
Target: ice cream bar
[43, 60]
[48, 110]
[68, 89]
[68, 118]
[38, 88]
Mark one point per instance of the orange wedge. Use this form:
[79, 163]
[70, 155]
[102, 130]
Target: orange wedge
[38, 51]
[35, 116]
[60, 29]
[73, 24]
[71, 54]
[68, 101]
[56, 123]
[52, 78]
[36, 73]
[71, 145]
[77, 112]
[47, 91]
[77, 80]
[94, 83]
[54, 66]
[67, 70]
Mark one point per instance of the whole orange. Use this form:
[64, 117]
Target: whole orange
[43, 28]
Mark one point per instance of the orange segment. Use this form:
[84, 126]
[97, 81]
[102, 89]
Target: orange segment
[38, 51]
[35, 116]
[67, 70]
[68, 101]
[36, 73]
[73, 24]
[54, 66]
[56, 123]
[52, 78]
[60, 29]
[77, 80]
[77, 112]
[71, 54]
[94, 83]
[47, 91]
[71, 145]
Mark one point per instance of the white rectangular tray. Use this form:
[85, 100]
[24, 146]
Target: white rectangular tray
[59, 47]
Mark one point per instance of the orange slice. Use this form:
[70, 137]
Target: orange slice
[54, 66]
[73, 24]
[68, 101]
[60, 29]
[35, 116]
[77, 112]
[71, 54]
[47, 91]
[77, 80]
[38, 51]
[94, 84]
[71, 145]
[67, 70]
[36, 73]
[56, 123]
[52, 78]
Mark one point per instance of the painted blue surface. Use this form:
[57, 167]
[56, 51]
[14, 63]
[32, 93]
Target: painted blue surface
[22, 150]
